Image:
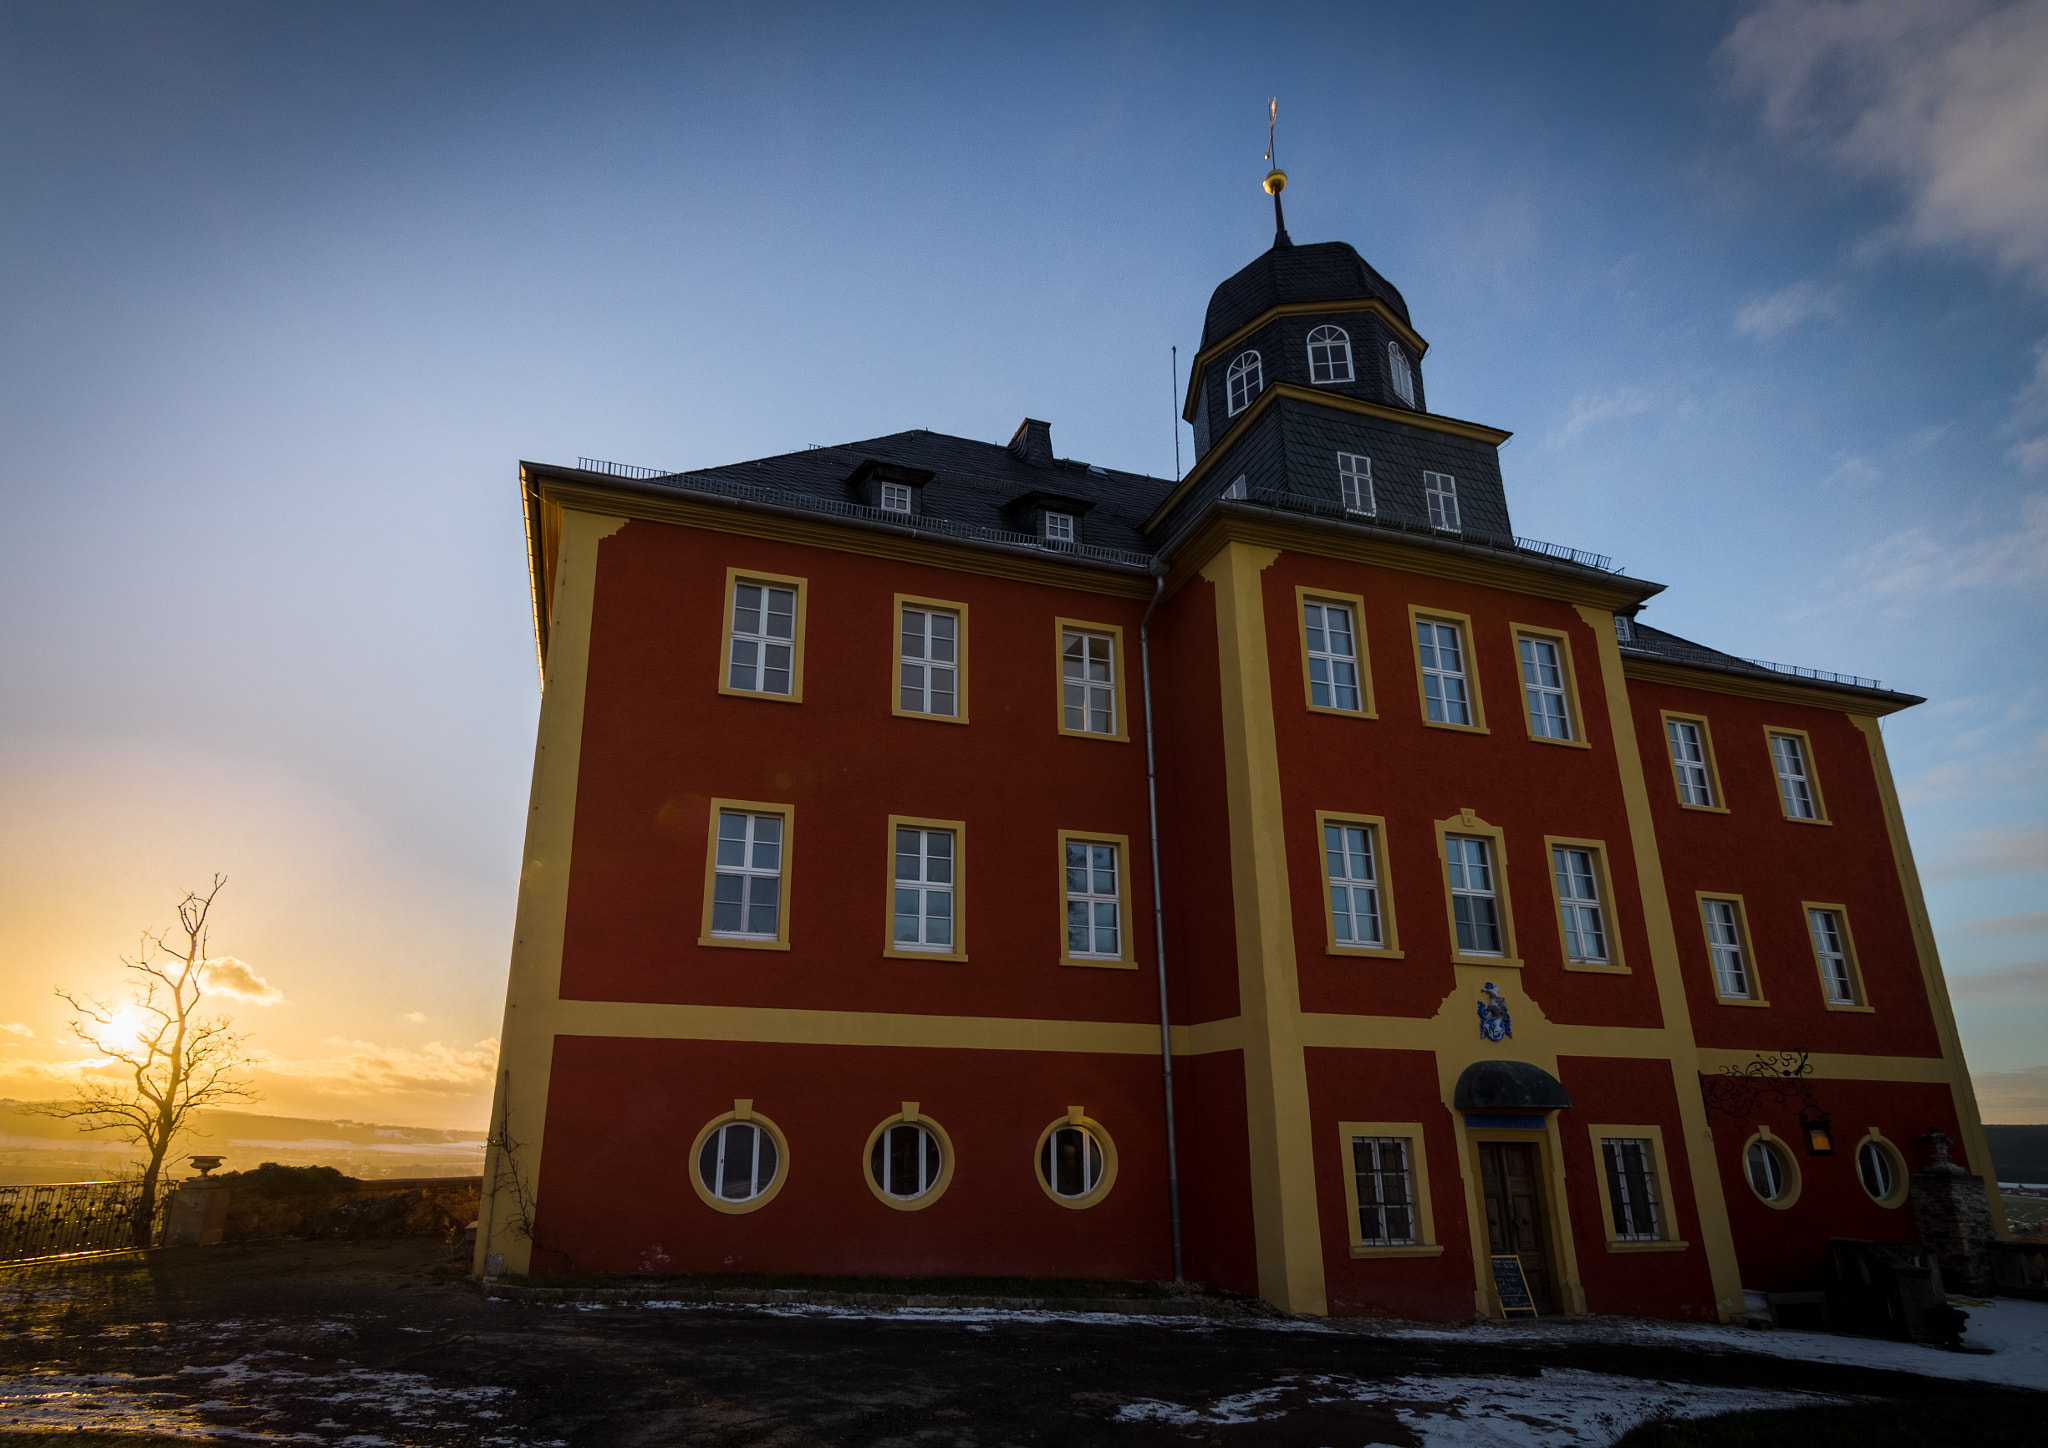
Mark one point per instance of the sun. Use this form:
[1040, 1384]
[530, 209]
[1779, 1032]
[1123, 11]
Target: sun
[122, 1033]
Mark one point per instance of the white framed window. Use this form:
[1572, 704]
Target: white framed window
[763, 644]
[1352, 862]
[1385, 1183]
[1329, 355]
[1475, 906]
[738, 1162]
[1071, 1161]
[1059, 527]
[1795, 783]
[1088, 682]
[1236, 492]
[1689, 762]
[924, 889]
[1831, 949]
[1765, 1168]
[1244, 381]
[1354, 483]
[1332, 645]
[896, 497]
[1631, 1166]
[929, 666]
[1400, 374]
[1578, 899]
[906, 1161]
[746, 885]
[1624, 629]
[1727, 947]
[1446, 695]
[1550, 715]
[1880, 1170]
[1094, 901]
[1440, 491]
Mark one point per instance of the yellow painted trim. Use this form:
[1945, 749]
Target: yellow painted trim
[1603, 879]
[1783, 690]
[1820, 799]
[1303, 597]
[1750, 963]
[742, 1110]
[1855, 961]
[1667, 1227]
[914, 1117]
[890, 949]
[1961, 1089]
[1902, 1175]
[724, 517]
[1467, 823]
[1206, 358]
[1563, 640]
[783, 895]
[1426, 1244]
[1060, 628]
[1696, 1137]
[1377, 825]
[733, 578]
[1128, 960]
[1788, 1162]
[1103, 1183]
[1418, 615]
[1571, 1291]
[534, 980]
[941, 605]
[1286, 1228]
[1664, 721]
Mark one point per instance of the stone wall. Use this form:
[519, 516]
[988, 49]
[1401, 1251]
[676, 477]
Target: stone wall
[1955, 1220]
[410, 1207]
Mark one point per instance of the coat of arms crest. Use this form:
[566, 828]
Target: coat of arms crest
[1494, 1023]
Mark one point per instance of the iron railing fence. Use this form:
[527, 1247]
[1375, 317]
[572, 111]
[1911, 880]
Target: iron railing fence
[1799, 671]
[1333, 508]
[56, 1219]
[620, 470]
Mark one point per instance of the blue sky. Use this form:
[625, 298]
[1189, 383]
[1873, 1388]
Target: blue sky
[1762, 292]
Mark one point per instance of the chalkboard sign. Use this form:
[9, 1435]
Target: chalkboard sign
[1512, 1286]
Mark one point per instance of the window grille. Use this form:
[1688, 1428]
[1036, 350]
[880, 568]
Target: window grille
[1244, 381]
[1386, 1191]
[1833, 952]
[1440, 491]
[746, 892]
[1354, 884]
[763, 638]
[1094, 917]
[896, 497]
[1059, 527]
[1795, 788]
[1689, 762]
[1354, 482]
[1441, 647]
[1332, 656]
[1550, 717]
[1475, 908]
[924, 889]
[1578, 894]
[930, 663]
[1088, 682]
[1631, 1187]
[1724, 943]
[1402, 376]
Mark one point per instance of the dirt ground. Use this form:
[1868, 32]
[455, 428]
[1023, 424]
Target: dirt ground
[365, 1343]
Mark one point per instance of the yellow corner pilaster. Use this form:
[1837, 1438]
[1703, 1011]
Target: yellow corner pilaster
[533, 991]
[1284, 1219]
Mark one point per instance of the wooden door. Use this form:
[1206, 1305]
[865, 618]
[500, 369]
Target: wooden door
[1513, 1185]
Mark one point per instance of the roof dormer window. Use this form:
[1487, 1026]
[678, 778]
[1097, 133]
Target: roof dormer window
[895, 497]
[1329, 355]
[1402, 374]
[1059, 527]
[1245, 379]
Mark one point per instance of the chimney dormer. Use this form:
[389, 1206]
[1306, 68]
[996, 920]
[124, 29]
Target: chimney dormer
[1032, 443]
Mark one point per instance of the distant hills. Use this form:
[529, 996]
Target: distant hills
[42, 1149]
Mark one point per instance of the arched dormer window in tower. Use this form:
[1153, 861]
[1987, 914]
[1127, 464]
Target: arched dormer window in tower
[1402, 374]
[1244, 382]
[1329, 355]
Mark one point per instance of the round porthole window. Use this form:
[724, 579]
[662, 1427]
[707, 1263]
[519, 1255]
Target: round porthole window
[1076, 1161]
[1773, 1174]
[1881, 1170]
[740, 1161]
[909, 1160]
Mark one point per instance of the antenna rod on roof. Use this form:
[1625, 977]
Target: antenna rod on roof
[1276, 179]
[1173, 411]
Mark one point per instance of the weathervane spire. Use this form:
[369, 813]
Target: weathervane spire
[1276, 179]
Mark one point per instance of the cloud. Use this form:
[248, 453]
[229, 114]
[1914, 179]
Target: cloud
[413, 1016]
[16, 1028]
[2034, 924]
[2029, 978]
[1995, 764]
[2029, 421]
[2013, 1097]
[1946, 99]
[230, 977]
[364, 1066]
[2011, 850]
[1784, 309]
[1914, 564]
[1854, 472]
[1591, 408]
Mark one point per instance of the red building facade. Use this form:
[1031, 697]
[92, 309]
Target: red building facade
[916, 823]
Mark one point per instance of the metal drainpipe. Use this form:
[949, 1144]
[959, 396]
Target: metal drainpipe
[1159, 920]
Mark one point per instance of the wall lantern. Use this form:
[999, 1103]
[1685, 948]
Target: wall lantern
[1820, 1137]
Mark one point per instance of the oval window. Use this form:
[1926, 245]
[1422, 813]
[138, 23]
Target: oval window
[738, 1162]
[906, 1161]
[1878, 1168]
[1071, 1161]
[1772, 1173]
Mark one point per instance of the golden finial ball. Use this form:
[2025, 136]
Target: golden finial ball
[1276, 181]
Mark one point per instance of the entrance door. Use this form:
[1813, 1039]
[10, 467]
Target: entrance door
[1513, 1186]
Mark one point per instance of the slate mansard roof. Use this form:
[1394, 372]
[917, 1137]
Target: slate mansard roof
[1324, 271]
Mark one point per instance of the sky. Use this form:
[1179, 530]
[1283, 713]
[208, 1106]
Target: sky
[287, 291]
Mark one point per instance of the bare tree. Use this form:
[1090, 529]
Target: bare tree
[176, 1061]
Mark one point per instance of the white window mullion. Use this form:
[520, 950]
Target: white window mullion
[1094, 901]
[763, 651]
[1689, 762]
[1724, 942]
[930, 662]
[1444, 687]
[1440, 491]
[1354, 884]
[1475, 908]
[1795, 789]
[746, 889]
[1354, 483]
[1550, 717]
[1088, 682]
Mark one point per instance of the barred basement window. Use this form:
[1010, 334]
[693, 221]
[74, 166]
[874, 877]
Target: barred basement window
[1244, 381]
[1386, 1191]
[1354, 482]
[1631, 1187]
[1354, 881]
[1399, 372]
[1329, 355]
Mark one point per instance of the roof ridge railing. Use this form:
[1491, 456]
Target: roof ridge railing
[1331, 507]
[622, 470]
[1799, 671]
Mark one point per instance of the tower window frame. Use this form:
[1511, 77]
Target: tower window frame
[1244, 381]
[1329, 356]
[1401, 373]
[1354, 484]
[1440, 495]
